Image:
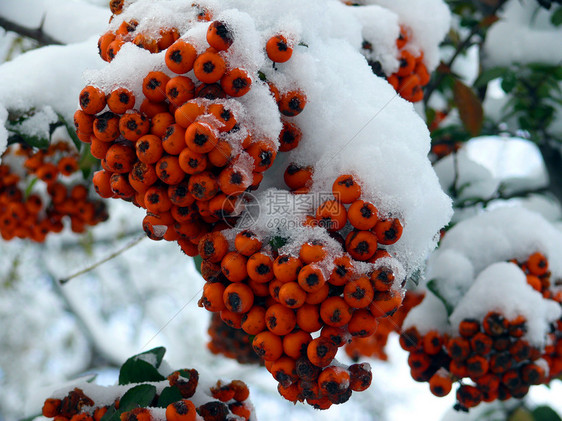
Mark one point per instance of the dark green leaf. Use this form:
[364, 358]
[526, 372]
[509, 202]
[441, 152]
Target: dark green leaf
[142, 367]
[35, 141]
[110, 414]
[138, 396]
[545, 413]
[509, 81]
[198, 260]
[488, 75]
[277, 242]
[87, 162]
[432, 286]
[71, 132]
[556, 17]
[169, 395]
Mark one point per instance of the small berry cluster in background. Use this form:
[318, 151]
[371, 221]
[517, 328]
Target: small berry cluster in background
[230, 342]
[40, 189]
[412, 75]
[144, 394]
[496, 334]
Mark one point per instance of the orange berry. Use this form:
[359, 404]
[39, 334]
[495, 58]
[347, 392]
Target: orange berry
[233, 266]
[236, 82]
[180, 56]
[154, 86]
[238, 298]
[209, 67]
[260, 267]
[334, 311]
[292, 103]
[311, 278]
[321, 351]
[537, 264]
[253, 322]
[219, 35]
[286, 268]
[92, 100]
[278, 50]
[268, 345]
[280, 319]
[308, 318]
[120, 100]
[388, 231]
[346, 189]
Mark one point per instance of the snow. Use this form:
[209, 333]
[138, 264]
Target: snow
[470, 179]
[429, 315]
[517, 163]
[489, 292]
[500, 235]
[56, 86]
[524, 34]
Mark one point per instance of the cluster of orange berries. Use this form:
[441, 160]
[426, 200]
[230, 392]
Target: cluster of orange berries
[412, 74]
[225, 400]
[539, 277]
[230, 342]
[491, 353]
[282, 299]
[28, 215]
[178, 155]
[374, 346]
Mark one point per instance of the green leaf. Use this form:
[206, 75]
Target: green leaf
[277, 242]
[509, 81]
[87, 162]
[545, 413]
[142, 367]
[488, 75]
[169, 395]
[34, 141]
[198, 260]
[556, 17]
[138, 396]
[109, 415]
[432, 286]
[71, 132]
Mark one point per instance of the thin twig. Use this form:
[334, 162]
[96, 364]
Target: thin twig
[108, 258]
[36, 34]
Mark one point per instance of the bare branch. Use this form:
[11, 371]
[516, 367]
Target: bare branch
[36, 34]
